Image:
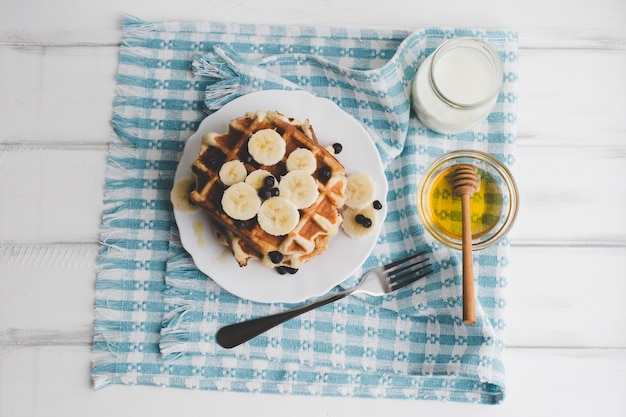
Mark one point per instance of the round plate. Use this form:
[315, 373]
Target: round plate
[344, 254]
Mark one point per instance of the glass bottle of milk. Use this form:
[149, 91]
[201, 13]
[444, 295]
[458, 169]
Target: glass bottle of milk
[456, 87]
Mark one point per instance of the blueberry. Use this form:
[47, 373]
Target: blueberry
[269, 181]
[367, 223]
[275, 256]
[265, 193]
[337, 148]
[377, 205]
[281, 170]
[213, 162]
[359, 218]
[282, 270]
[247, 159]
[240, 224]
[324, 174]
[275, 192]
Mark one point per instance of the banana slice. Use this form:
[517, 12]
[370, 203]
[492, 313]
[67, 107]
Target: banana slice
[358, 223]
[360, 190]
[233, 172]
[299, 187]
[257, 178]
[267, 147]
[240, 201]
[278, 216]
[302, 159]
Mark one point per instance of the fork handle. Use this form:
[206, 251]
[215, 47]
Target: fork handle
[238, 333]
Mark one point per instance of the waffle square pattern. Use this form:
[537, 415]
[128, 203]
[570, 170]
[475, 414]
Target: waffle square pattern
[273, 193]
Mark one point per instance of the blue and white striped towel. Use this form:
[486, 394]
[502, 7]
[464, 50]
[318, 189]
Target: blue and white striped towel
[156, 315]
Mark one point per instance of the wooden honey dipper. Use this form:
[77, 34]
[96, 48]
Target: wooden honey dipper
[465, 183]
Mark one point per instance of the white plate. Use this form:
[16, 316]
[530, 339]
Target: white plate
[344, 254]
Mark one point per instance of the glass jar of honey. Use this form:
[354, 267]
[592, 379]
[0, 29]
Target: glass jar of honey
[493, 207]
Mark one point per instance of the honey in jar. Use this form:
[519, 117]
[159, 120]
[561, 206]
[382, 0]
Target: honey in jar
[444, 208]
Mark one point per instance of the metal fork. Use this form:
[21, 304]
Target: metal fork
[378, 281]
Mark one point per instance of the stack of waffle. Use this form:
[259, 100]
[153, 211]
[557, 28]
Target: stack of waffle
[247, 238]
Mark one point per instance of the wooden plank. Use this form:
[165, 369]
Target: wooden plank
[49, 381]
[549, 382]
[571, 98]
[570, 196]
[566, 297]
[550, 298]
[56, 95]
[560, 22]
[47, 293]
[51, 195]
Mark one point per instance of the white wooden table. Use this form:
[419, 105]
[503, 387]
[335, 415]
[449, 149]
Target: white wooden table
[566, 334]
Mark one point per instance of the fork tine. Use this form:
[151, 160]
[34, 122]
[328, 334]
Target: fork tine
[408, 274]
[403, 260]
[407, 270]
[425, 271]
[396, 275]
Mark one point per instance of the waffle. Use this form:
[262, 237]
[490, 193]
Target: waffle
[247, 239]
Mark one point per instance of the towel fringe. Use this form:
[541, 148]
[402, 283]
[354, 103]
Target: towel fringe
[176, 327]
[120, 205]
[102, 377]
[210, 66]
[221, 93]
[217, 66]
[133, 26]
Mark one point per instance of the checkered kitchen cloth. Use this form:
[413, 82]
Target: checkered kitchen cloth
[156, 314]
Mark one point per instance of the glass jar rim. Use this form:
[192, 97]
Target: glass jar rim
[477, 44]
[494, 166]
